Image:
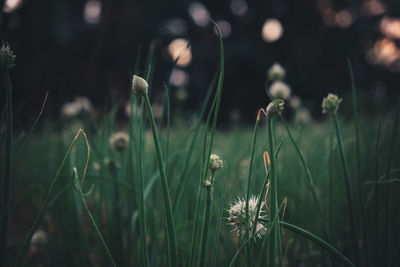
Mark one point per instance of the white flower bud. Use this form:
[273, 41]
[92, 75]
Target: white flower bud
[276, 72]
[139, 85]
[330, 104]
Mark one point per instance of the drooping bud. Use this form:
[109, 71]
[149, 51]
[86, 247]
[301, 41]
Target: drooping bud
[330, 104]
[7, 57]
[275, 108]
[139, 85]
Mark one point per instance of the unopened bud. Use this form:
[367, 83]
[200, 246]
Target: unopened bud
[139, 85]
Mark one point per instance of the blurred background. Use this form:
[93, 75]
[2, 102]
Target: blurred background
[89, 48]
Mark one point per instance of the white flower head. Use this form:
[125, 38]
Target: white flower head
[119, 141]
[139, 85]
[295, 102]
[330, 104]
[237, 217]
[216, 163]
[276, 72]
[303, 115]
[78, 106]
[280, 90]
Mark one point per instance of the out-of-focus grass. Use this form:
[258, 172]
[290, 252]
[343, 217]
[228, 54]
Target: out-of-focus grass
[43, 154]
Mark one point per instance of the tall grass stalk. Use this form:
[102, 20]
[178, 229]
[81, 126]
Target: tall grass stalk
[219, 220]
[45, 201]
[247, 235]
[206, 224]
[358, 162]
[78, 187]
[274, 242]
[310, 178]
[349, 194]
[206, 153]
[387, 191]
[6, 194]
[164, 183]
[182, 181]
[142, 208]
[378, 136]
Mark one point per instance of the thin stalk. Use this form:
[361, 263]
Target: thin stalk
[198, 198]
[310, 178]
[206, 225]
[248, 251]
[221, 210]
[142, 209]
[6, 201]
[164, 183]
[358, 162]
[274, 242]
[182, 182]
[387, 191]
[378, 136]
[322, 243]
[31, 130]
[43, 206]
[117, 216]
[353, 229]
[78, 187]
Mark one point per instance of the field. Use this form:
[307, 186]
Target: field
[168, 191]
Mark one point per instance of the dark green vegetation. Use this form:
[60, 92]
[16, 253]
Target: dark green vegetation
[76, 201]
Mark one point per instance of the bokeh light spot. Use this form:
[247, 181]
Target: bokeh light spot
[11, 5]
[272, 30]
[180, 48]
[225, 28]
[92, 12]
[199, 13]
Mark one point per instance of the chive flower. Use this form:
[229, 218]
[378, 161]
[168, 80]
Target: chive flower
[216, 163]
[275, 108]
[119, 141]
[237, 217]
[330, 104]
[276, 72]
[280, 90]
[139, 85]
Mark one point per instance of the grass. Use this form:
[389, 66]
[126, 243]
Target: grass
[147, 205]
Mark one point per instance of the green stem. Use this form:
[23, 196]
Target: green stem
[248, 251]
[142, 209]
[310, 236]
[206, 226]
[6, 201]
[353, 229]
[387, 191]
[274, 242]
[164, 183]
[310, 179]
[43, 206]
[79, 189]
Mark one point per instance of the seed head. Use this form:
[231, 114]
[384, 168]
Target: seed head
[330, 104]
[216, 163]
[275, 108]
[276, 72]
[237, 217]
[79, 105]
[119, 141]
[139, 85]
[280, 90]
[7, 57]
